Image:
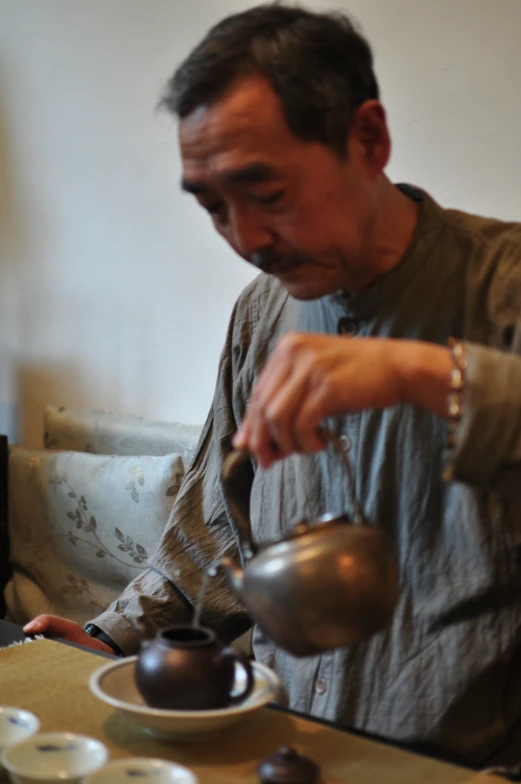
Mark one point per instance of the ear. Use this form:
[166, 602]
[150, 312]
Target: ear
[369, 137]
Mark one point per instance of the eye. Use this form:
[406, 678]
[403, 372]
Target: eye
[270, 199]
[216, 209]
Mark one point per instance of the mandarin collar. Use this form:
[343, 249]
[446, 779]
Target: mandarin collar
[369, 301]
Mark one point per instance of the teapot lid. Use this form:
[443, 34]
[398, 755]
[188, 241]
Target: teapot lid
[286, 766]
[328, 520]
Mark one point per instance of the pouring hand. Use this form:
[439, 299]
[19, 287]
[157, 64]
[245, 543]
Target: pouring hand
[310, 377]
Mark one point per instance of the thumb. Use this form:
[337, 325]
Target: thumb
[33, 627]
[51, 624]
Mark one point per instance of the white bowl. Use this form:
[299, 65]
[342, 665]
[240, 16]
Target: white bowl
[54, 757]
[144, 770]
[114, 684]
[16, 725]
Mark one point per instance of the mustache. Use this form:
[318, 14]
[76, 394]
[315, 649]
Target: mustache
[269, 261]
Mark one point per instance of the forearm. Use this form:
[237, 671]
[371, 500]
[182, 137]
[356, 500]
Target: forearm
[425, 372]
[149, 592]
[487, 450]
[487, 445]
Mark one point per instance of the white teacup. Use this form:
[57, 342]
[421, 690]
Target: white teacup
[16, 725]
[143, 770]
[52, 757]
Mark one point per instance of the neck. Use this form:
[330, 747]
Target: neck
[389, 234]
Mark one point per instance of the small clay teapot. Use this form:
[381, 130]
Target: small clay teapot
[187, 668]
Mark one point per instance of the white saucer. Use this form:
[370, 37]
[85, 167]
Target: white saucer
[54, 758]
[144, 770]
[114, 684]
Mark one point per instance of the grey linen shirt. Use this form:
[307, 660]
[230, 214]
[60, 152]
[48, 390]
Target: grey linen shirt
[447, 672]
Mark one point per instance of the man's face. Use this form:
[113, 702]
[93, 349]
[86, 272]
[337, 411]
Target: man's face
[289, 206]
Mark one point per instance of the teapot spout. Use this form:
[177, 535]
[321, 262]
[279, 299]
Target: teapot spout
[234, 574]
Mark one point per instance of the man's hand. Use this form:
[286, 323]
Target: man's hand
[53, 626]
[310, 377]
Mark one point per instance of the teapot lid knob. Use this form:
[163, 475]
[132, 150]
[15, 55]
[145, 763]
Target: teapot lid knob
[288, 767]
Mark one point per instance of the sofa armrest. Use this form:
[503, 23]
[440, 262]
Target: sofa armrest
[111, 433]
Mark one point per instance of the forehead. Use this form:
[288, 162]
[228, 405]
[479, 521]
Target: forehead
[245, 126]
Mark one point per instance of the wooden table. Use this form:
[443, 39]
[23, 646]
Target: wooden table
[50, 679]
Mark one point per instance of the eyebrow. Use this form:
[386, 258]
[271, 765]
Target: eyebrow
[192, 187]
[255, 172]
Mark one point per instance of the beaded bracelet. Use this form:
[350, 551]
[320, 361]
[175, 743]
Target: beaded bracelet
[455, 399]
[456, 396]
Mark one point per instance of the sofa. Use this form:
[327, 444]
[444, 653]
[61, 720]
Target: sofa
[80, 518]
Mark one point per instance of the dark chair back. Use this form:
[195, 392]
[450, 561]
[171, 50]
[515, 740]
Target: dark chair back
[5, 567]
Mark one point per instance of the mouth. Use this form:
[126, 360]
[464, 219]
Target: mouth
[278, 267]
[281, 270]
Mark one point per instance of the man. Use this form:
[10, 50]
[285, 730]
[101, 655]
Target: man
[284, 142]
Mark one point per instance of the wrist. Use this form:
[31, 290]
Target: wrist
[107, 642]
[425, 371]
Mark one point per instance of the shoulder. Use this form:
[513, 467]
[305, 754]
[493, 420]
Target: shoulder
[261, 305]
[489, 239]
[490, 250]
[263, 290]
[487, 232]
[263, 313]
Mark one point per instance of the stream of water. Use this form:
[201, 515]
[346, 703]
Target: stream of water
[210, 572]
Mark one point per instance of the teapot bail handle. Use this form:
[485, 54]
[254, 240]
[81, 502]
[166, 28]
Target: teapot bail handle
[342, 445]
[231, 481]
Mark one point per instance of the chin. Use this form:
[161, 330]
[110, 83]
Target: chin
[307, 290]
[305, 295]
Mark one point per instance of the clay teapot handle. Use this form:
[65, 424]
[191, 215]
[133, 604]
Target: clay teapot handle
[238, 656]
[231, 482]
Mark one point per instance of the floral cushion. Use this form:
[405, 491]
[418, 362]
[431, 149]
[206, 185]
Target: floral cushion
[82, 526]
[108, 433]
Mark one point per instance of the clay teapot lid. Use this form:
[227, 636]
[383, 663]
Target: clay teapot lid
[286, 766]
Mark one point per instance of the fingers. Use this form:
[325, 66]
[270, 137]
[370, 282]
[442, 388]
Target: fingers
[320, 402]
[257, 432]
[53, 626]
[272, 427]
[278, 416]
[297, 410]
[310, 377]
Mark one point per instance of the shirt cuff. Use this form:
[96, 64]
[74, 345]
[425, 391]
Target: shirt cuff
[488, 436]
[120, 630]
[97, 634]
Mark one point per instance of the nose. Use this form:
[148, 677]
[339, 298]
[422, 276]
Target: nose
[248, 233]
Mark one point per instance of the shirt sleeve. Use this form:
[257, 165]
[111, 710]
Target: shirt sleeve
[487, 451]
[199, 531]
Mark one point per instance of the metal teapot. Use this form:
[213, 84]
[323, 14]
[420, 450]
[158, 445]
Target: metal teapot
[330, 583]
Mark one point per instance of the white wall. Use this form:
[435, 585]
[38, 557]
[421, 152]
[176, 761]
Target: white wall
[114, 291]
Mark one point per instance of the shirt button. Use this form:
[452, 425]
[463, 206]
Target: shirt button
[321, 686]
[347, 326]
[346, 442]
